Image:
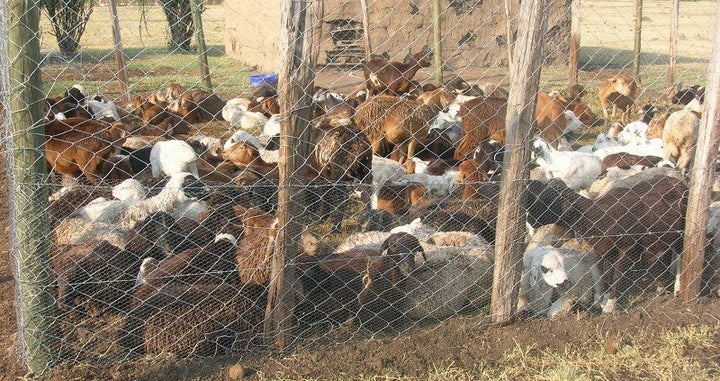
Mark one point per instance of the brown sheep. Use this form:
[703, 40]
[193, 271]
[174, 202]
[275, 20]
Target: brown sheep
[393, 78]
[395, 120]
[213, 263]
[195, 320]
[79, 146]
[619, 92]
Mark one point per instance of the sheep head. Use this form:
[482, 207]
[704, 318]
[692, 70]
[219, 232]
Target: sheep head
[553, 269]
[402, 248]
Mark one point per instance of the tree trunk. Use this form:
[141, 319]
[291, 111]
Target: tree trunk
[179, 18]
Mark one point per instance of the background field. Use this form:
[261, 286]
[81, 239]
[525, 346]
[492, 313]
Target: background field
[659, 339]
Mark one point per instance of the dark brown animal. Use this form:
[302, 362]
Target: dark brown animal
[627, 225]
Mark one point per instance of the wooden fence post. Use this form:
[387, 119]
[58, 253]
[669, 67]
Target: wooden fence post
[674, 25]
[299, 23]
[701, 177]
[437, 41]
[200, 39]
[119, 54]
[574, 44]
[524, 82]
[366, 27]
[28, 200]
[638, 41]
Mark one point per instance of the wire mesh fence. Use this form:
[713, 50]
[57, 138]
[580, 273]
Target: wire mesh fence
[162, 211]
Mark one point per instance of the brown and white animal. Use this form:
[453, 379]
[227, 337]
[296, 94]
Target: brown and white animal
[78, 146]
[618, 92]
[680, 135]
[394, 78]
[395, 120]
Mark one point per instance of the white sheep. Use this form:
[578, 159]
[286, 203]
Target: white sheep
[571, 274]
[182, 191]
[576, 169]
[172, 157]
[78, 230]
[130, 189]
[374, 239]
[236, 112]
[272, 126]
[679, 137]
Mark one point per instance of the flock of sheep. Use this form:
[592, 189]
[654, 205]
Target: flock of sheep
[175, 232]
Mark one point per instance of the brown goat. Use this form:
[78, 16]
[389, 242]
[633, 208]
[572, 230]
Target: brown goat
[483, 119]
[395, 120]
[384, 77]
[79, 146]
[437, 99]
[550, 118]
[197, 105]
[399, 198]
[572, 103]
[619, 92]
[624, 160]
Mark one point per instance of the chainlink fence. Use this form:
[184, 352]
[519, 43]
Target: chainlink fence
[161, 202]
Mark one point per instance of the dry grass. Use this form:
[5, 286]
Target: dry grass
[683, 353]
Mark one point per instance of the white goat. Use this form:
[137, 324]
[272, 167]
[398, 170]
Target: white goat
[576, 169]
[171, 157]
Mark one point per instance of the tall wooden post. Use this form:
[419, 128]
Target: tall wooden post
[508, 31]
[119, 53]
[295, 85]
[701, 177]
[674, 27]
[638, 40]
[28, 200]
[366, 27]
[437, 41]
[574, 44]
[524, 82]
[200, 40]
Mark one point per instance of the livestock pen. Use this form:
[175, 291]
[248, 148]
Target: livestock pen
[482, 172]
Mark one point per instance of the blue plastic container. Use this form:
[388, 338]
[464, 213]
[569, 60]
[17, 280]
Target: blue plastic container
[258, 80]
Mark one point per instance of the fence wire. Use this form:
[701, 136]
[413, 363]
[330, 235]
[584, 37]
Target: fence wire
[162, 208]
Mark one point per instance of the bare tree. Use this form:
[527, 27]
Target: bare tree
[68, 19]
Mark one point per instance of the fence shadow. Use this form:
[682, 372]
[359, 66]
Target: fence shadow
[597, 58]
